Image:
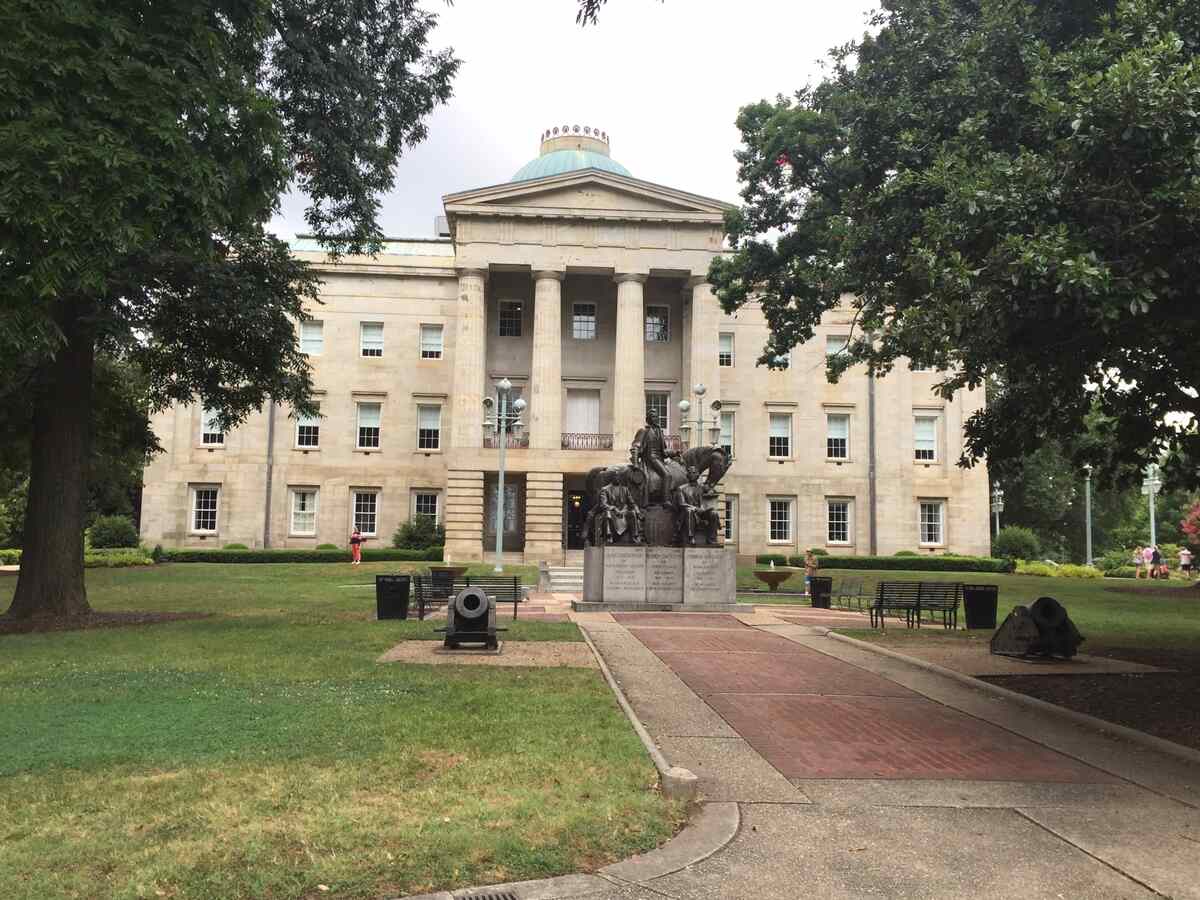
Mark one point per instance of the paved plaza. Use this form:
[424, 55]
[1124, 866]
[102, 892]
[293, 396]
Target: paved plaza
[829, 769]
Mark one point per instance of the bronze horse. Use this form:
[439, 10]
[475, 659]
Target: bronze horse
[710, 462]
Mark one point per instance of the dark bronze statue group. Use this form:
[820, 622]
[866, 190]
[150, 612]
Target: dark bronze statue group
[657, 477]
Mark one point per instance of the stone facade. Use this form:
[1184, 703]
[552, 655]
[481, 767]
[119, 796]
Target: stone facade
[550, 282]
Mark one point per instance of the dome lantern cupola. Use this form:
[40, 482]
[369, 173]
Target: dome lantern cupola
[567, 148]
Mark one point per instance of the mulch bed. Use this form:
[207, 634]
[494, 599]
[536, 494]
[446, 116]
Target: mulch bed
[95, 620]
[1165, 704]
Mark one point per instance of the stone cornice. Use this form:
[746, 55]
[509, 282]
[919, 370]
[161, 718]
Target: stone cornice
[549, 274]
[638, 277]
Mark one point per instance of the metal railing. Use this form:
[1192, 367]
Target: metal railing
[580, 441]
[515, 441]
[675, 442]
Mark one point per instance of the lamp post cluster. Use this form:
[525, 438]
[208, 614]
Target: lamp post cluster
[1087, 508]
[700, 422]
[503, 418]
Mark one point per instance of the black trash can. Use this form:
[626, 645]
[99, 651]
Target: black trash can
[391, 596]
[820, 591]
[979, 603]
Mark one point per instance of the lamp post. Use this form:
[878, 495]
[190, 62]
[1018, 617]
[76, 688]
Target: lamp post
[1150, 487]
[997, 505]
[700, 422]
[1087, 508]
[503, 421]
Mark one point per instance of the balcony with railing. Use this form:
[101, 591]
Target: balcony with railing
[515, 441]
[582, 441]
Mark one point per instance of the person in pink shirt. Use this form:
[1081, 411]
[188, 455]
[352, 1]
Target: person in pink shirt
[1148, 559]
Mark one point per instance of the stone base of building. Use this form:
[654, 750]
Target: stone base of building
[624, 578]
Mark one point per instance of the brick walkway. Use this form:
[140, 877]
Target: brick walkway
[815, 717]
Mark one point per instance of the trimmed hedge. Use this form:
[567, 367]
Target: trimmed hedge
[10, 557]
[765, 559]
[1121, 572]
[433, 554]
[918, 563]
[118, 559]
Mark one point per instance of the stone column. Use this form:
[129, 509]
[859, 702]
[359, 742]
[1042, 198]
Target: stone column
[470, 350]
[703, 345]
[629, 363]
[464, 516]
[543, 517]
[545, 377]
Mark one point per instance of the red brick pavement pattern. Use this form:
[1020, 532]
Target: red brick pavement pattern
[813, 736]
[712, 640]
[678, 620]
[813, 716]
[794, 672]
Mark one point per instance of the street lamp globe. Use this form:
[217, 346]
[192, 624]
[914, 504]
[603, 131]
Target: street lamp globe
[519, 405]
[684, 406]
[504, 385]
[700, 390]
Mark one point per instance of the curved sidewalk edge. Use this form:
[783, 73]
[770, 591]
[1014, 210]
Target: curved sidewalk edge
[1148, 741]
[677, 783]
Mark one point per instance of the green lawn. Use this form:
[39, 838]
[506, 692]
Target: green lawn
[262, 752]
[1114, 614]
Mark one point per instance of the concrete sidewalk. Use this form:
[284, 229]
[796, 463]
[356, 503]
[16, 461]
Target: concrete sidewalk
[830, 770]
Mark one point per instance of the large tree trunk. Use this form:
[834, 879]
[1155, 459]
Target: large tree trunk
[50, 583]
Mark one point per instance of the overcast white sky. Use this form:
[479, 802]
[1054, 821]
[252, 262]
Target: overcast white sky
[665, 80]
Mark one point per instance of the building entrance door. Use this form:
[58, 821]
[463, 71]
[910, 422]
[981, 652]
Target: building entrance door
[514, 512]
[577, 504]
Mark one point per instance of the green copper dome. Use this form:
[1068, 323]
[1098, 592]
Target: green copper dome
[560, 161]
[569, 148]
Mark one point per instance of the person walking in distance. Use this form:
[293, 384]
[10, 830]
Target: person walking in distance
[356, 542]
[810, 569]
[1148, 560]
[1185, 561]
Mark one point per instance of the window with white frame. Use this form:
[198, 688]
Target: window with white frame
[369, 418]
[425, 505]
[659, 403]
[730, 518]
[931, 521]
[727, 434]
[429, 427]
[370, 335]
[925, 438]
[312, 337]
[510, 318]
[658, 324]
[204, 508]
[304, 511]
[835, 344]
[431, 342]
[837, 521]
[583, 321]
[837, 436]
[211, 433]
[366, 512]
[308, 431]
[780, 520]
[725, 351]
[779, 439]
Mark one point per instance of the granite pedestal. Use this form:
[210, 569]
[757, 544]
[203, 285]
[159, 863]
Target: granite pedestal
[620, 578]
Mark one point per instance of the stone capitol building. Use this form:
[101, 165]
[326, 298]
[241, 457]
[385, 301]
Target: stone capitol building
[585, 287]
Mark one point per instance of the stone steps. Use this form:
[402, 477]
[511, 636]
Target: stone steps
[566, 579]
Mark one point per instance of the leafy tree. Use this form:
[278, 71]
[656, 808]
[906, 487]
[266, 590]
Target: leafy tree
[142, 148]
[419, 533]
[1008, 191]
[1190, 527]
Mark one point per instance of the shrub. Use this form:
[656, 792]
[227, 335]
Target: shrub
[1069, 570]
[10, 557]
[1115, 559]
[235, 547]
[119, 559]
[1015, 542]
[328, 547]
[906, 553]
[113, 531]
[428, 554]
[1041, 569]
[1122, 572]
[765, 559]
[418, 533]
[157, 553]
[818, 551]
[919, 563]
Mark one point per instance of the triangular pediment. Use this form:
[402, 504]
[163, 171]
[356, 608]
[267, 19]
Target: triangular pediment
[583, 193]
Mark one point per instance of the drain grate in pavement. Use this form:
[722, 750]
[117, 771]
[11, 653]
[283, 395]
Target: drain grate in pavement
[493, 895]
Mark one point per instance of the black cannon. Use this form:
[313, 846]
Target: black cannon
[471, 619]
[1041, 629]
